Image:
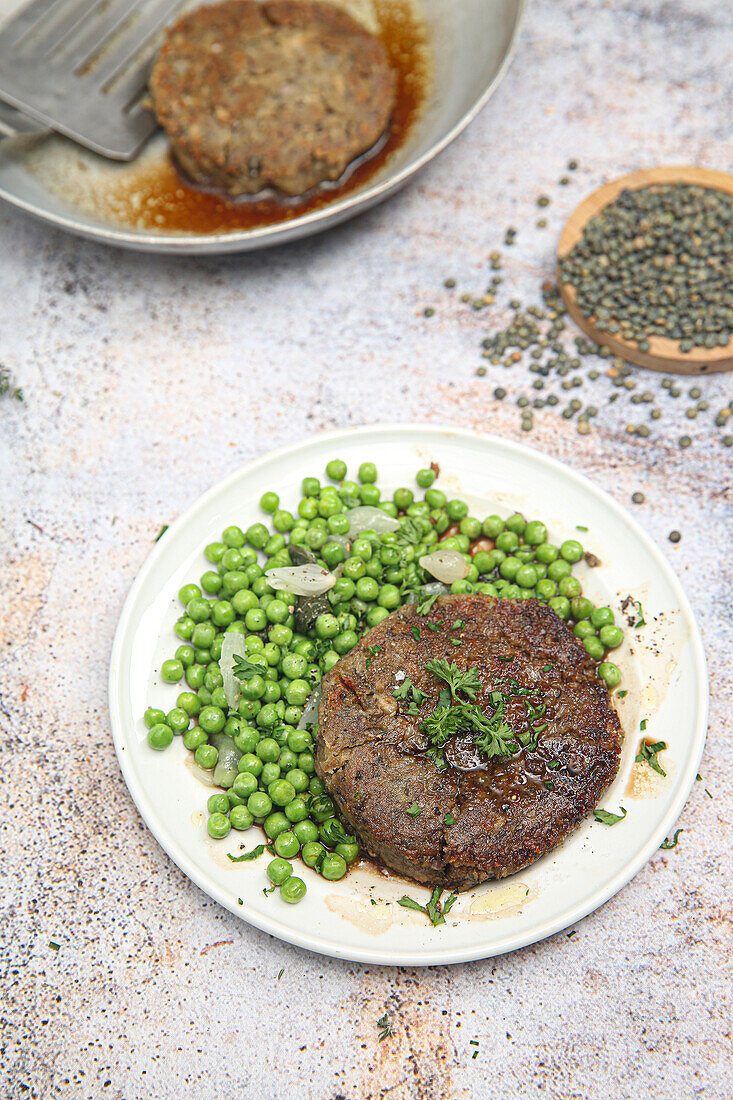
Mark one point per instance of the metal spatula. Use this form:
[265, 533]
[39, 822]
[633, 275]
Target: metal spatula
[80, 67]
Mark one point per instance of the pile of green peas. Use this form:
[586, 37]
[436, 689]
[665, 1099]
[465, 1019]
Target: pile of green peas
[273, 784]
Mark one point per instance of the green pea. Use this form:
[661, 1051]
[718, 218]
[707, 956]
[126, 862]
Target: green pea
[204, 696]
[240, 817]
[367, 473]
[287, 844]
[507, 541]
[222, 613]
[509, 568]
[257, 535]
[312, 854]
[546, 553]
[561, 606]
[602, 616]
[305, 831]
[194, 737]
[333, 554]
[184, 627]
[375, 615]
[269, 502]
[218, 804]
[293, 890]
[571, 550]
[171, 671]
[580, 608]
[316, 788]
[218, 826]
[160, 736]
[369, 495]
[535, 533]
[244, 785]
[487, 589]
[611, 636]
[348, 852]
[483, 561]
[198, 609]
[297, 810]
[188, 701]
[389, 597]
[292, 715]
[584, 629]
[425, 478]
[558, 569]
[297, 779]
[275, 824]
[270, 773]
[279, 871]
[281, 792]
[594, 647]
[570, 586]
[178, 720]
[545, 589]
[516, 523]
[250, 763]
[311, 487]
[333, 866]
[526, 576]
[212, 719]
[153, 717]
[268, 750]
[255, 619]
[336, 469]
[306, 762]
[492, 526]
[233, 537]
[211, 582]
[219, 699]
[215, 552]
[231, 560]
[259, 804]
[203, 635]
[610, 674]
[326, 626]
[206, 756]
[403, 498]
[188, 592]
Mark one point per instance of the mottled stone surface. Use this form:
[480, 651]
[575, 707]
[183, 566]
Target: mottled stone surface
[148, 380]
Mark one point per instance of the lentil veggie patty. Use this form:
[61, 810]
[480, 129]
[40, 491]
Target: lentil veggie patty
[502, 813]
[284, 93]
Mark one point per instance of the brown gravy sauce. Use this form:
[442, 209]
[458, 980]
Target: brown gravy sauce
[162, 198]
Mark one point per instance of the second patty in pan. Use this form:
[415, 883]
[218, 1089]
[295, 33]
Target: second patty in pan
[284, 93]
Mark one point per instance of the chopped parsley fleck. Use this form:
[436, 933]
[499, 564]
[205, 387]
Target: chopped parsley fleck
[434, 910]
[54, 946]
[414, 810]
[247, 855]
[643, 724]
[579, 527]
[547, 667]
[641, 621]
[403, 689]
[458, 624]
[607, 818]
[244, 670]
[281, 974]
[162, 531]
[449, 819]
[424, 605]
[374, 649]
[622, 694]
[648, 754]
[383, 1024]
[416, 633]
[671, 843]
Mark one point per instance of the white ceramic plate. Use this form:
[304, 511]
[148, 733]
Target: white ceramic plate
[663, 667]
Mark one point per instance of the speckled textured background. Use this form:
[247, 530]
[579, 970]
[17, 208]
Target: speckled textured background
[146, 381]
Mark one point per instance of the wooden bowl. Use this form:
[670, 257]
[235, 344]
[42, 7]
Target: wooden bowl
[663, 354]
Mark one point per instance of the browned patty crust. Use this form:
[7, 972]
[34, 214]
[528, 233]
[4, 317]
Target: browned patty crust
[283, 93]
[507, 812]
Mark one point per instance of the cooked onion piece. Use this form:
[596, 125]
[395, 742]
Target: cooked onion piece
[446, 565]
[232, 646]
[304, 580]
[367, 518]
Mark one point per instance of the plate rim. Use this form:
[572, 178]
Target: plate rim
[249, 240]
[439, 957]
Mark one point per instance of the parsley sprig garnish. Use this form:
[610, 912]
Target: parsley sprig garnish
[466, 682]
